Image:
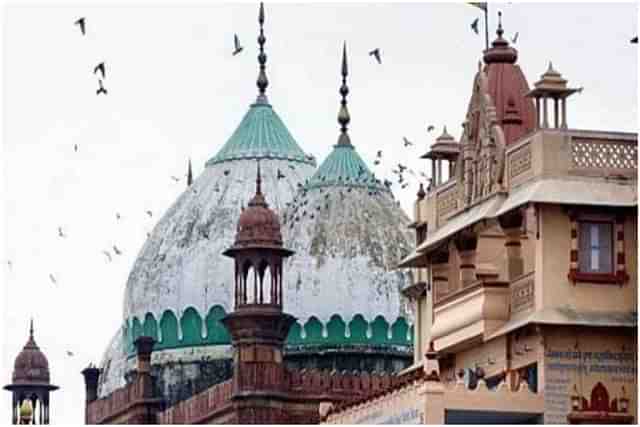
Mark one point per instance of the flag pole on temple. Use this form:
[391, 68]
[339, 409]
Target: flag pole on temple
[485, 7]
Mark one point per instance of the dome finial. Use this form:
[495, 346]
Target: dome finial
[258, 181]
[343, 116]
[262, 82]
[500, 31]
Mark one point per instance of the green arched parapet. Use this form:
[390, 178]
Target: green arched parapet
[295, 334]
[191, 326]
[216, 331]
[127, 336]
[411, 331]
[137, 328]
[169, 330]
[150, 326]
[313, 331]
[399, 331]
[380, 331]
[336, 330]
[358, 329]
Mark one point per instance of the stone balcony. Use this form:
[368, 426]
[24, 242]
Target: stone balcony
[466, 316]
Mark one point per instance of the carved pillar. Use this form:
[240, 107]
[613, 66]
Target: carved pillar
[564, 113]
[511, 224]
[467, 243]
[434, 172]
[440, 275]
[537, 112]
[545, 117]
[439, 171]
[556, 117]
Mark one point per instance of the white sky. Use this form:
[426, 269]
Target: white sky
[176, 92]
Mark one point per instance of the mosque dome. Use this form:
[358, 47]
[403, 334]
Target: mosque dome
[31, 365]
[181, 284]
[347, 233]
[508, 88]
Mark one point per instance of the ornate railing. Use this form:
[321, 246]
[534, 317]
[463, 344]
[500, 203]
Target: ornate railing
[594, 153]
[447, 201]
[519, 164]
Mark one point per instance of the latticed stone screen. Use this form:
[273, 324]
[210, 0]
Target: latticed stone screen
[599, 154]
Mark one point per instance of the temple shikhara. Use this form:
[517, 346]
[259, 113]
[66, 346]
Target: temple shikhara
[278, 291]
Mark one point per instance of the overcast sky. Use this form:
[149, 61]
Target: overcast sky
[175, 91]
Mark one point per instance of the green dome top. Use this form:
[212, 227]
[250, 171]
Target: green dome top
[261, 134]
[344, 167]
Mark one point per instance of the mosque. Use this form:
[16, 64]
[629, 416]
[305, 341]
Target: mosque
[274, 291]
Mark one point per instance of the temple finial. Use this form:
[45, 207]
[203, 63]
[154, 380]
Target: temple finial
[343, 116]
[189, 175]
[31, 329]
[499, 31]
[262, 82]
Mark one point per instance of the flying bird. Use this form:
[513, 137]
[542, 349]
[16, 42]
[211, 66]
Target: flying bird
[80, 23]
[376, 162]
[175, 178]
[474, 26]
[108, 254]
[226, 173]
[515, 38]
[60, 233]
[236, 45]
[118, 217]
[379, 154]
[376, 53]
[634, 40]
[150, 214]
[52, 278]
[116, 250]
[99, 67]
[75, 147]
[403, 186]
[9, 264]
[101, 89]
[407, 143]
[280, 174]
[69, 353]
[430, 128]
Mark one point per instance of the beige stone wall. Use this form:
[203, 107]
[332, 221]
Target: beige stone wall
[582, 357]
[553, 288]
[490, 356]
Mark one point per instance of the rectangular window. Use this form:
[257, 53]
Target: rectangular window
[595, 247]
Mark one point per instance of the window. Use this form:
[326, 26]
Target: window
[595, 242]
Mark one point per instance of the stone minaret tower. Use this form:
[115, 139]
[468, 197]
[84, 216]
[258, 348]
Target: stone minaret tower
[30, 385]
[258, 326]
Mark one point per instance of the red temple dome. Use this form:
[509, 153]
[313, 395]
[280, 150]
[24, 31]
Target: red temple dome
[508, 88]
[258, 225]
[31, 365]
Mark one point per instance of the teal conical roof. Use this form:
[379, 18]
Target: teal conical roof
[261, 134]
[344, 167]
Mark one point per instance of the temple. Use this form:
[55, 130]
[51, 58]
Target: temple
[525, 266]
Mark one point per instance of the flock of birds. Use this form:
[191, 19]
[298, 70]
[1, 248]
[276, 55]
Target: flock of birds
[399, 171]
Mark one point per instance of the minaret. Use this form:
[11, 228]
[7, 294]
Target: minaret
[30, 385]
[258, 325]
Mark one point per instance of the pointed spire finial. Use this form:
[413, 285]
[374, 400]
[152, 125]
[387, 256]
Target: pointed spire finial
[262, 82]
[258, 181]
[189, 175]
[343, 116]
[31, 329]
[499, 31]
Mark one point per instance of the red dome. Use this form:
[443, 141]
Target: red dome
[258, 225]
[31, 365]
[508, 88]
